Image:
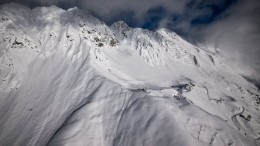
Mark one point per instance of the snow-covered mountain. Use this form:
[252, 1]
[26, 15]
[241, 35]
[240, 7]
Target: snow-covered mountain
[66, 78]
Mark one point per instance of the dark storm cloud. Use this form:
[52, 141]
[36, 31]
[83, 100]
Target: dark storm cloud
[145, 13]
[231, 25]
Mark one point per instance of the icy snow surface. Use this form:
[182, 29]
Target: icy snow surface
[66, 78]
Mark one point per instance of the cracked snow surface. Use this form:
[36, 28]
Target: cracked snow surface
[66, 78]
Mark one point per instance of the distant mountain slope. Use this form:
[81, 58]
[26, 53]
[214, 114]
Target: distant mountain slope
[66, 78]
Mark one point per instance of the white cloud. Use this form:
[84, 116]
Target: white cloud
[238, 35]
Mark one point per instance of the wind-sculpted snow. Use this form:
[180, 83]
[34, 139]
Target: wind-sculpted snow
[66, 78]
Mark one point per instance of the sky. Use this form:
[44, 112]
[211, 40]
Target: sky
[232, 26]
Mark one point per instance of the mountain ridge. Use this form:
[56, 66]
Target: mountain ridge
[66, 75]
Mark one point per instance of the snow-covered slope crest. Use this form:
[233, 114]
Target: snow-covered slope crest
[66, 78]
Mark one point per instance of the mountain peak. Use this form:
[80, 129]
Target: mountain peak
[120, 25]
[68, 78]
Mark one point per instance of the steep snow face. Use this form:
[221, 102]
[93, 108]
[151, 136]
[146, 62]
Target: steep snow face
[66, 78]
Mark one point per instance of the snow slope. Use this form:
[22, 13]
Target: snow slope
[66, 78]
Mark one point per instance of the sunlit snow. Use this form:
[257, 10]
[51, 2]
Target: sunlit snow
[67, 78]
